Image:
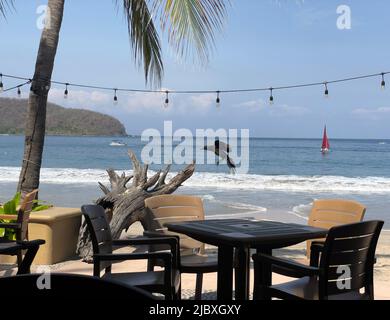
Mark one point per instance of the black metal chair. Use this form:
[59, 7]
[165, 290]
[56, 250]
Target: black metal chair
[346, 267]
[69, 286]
[166, 282]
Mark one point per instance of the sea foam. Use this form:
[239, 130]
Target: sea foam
[291, 183]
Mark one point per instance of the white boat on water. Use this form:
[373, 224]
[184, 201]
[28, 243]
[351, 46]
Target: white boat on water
[117, 143]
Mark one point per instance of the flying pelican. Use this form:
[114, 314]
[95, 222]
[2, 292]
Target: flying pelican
[222, 150]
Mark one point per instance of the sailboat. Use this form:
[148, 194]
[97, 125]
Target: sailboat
[325, 143]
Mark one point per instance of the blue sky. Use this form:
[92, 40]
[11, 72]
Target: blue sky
[264, 43]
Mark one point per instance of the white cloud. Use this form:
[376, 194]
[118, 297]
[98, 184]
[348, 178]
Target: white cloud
[373, 114]
[203, 100]
[286, 110]
[253, 105]
[275, 110]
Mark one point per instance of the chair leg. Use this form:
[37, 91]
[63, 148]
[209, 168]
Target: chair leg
[198, 288]
[178, 293]
[262, 279]
[19, 258]
[150, 267]
[24, 267]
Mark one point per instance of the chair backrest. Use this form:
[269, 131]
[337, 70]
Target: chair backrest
[99, 230]
[24, 214]
[164, 209]
[68, 285]
[347, 260]
[328, 213]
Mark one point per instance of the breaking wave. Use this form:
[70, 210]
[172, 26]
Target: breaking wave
[292, 183]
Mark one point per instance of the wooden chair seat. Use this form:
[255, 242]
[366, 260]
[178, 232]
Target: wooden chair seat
[199, 264]
[306, 288]
[150, 281]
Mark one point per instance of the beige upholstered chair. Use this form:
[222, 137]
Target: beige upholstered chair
[161, 210]
[329, 213]
[326, 213]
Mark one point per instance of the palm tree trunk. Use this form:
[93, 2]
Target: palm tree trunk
[36, 118]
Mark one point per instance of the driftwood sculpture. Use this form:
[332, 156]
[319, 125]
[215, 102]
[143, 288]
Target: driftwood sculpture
[124, 204]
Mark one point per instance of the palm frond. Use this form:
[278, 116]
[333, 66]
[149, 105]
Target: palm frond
[191, 24]
[144, 39]
[5, 5]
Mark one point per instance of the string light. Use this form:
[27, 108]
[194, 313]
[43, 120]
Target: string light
[326, 90]
[383, 83]
[66, 91]
[218, 100]
[293, 86]
[271, 97]
[166, 102]
[115, 97]
[19, 92]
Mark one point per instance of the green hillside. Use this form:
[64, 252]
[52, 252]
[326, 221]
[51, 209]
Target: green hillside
[60, 121]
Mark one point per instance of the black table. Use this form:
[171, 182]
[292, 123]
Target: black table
[13, 247]
[242, 235]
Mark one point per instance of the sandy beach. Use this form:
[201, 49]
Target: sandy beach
[297, 252]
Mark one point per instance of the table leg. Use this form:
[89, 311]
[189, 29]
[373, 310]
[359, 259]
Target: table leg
[242, 274]
[263, 278]
[225, 273]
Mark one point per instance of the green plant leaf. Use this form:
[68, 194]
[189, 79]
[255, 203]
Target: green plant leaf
[42, 207]
[10, 207]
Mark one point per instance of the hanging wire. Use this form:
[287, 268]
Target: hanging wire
[293, 86]
[16, 87]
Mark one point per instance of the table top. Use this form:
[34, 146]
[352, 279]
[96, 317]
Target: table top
[250, 233]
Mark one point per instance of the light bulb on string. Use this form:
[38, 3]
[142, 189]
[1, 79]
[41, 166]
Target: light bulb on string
[1, 83]
[326, 90]
[66, 91]
[115, 97]
[166, 102]
[19, 92]
[383, 83]
[271, 97]
[218, 100]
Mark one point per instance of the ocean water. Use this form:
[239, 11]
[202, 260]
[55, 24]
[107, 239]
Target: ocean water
[284, 177]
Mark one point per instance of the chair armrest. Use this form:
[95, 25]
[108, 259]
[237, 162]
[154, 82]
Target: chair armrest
[317, 245]
[8, 217]
[315, 249]
[156, 234]
[295, 267]
[32, 243]
[171, 241]
[166, 256]
[10, 225]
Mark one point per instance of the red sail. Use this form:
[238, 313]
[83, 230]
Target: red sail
[325, 141]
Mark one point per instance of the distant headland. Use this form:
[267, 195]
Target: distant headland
[59, 120]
